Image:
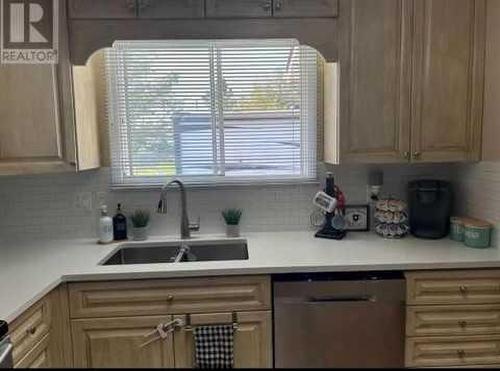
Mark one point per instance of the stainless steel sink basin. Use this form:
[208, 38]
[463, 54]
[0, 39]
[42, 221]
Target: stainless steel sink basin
[167, 252]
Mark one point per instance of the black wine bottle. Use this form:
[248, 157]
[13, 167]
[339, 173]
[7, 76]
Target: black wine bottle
[119, 225]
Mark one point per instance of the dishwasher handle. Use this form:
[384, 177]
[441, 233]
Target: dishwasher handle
[341, 299]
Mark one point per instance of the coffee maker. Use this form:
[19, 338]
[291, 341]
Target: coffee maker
[429, 203]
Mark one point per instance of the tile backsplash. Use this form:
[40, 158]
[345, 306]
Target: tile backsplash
[66, 205]
[478, 193]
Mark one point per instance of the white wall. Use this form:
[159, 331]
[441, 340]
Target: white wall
[478, 193]
[47, 205]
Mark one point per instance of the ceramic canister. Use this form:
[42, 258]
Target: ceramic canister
[457, 228]
[477, 233]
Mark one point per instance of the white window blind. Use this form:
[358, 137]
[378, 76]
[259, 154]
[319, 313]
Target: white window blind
[241, 111]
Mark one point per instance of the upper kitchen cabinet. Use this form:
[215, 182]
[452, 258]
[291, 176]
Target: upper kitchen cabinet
[99, 9]
[412, 80]
[171, 9]
[449, 47]
[132, 9]
[307, 8]
[374, 55]
[239, 8]
[40, 131]
[31, 132]
[275, 8]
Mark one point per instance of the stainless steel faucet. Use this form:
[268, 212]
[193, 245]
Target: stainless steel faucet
[186, 228]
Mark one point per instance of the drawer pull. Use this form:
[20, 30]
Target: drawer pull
[463, 289]
[170, 298]
[462, 324]
[461, 353]
[31, 331]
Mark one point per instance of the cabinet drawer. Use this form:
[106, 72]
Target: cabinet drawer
[453, 320]
[30, 328]
[305, 8]
[148, 297]
[38, 357]
[238, 8]
[453, 287]
[452, 351]
[98, 9]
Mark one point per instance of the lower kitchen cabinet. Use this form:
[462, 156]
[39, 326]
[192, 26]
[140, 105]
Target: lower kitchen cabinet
[125, 342]
[121, 343]
[453, 318]
[41, 335]
[114, 323]
[252, 338]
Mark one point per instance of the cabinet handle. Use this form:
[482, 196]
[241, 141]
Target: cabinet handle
[416, 155]
[461, 353]
[170, 298]
[31, 331]
[462, 324]
[278, 5]
[266, 5]
[406, 155]
[143, 4]
[463, 289]
[131, 5]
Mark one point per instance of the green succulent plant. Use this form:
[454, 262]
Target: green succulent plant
[140, 218]
[232, 216]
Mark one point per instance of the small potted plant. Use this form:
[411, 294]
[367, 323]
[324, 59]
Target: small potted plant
[140, 221]
[232, 218]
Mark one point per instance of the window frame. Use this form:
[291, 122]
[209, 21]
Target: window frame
[217, 180]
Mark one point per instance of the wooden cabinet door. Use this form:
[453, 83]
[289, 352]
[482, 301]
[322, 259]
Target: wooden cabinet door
[171, 9]
[119, 343]
[238, 8]
[31, 133]
[252, 339]
[305, 8]
[99, 9]
[449, 44]
[374, 56]
[37, 116]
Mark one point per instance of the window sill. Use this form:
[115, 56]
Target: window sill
[217, 185]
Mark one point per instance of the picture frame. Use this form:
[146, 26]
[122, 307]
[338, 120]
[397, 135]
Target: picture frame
[357, 218]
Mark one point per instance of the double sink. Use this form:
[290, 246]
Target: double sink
[178, 252]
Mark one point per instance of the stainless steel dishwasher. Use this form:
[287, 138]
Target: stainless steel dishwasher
[339, 320]
[5, 347]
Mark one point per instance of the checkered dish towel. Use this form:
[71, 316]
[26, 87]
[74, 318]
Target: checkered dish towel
[214, 346]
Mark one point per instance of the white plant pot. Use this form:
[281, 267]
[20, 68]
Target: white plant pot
[232, 230]
[140, 234]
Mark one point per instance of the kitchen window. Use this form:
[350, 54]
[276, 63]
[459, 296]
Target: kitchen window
[212, 112]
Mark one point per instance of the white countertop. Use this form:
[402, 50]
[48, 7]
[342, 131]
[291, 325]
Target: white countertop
[29, 270]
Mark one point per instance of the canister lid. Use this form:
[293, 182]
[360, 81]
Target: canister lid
[476, 223]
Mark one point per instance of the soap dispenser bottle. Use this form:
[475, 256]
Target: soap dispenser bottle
[119, 225]
[105, 226]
